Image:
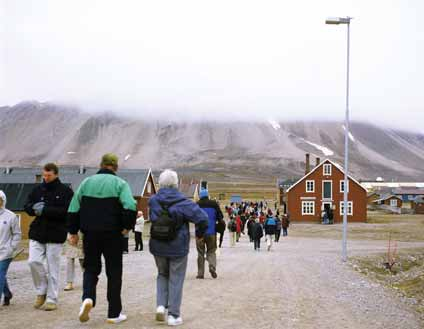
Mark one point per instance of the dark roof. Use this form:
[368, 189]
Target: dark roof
[410, 191]
[16, 194]
[136, 178]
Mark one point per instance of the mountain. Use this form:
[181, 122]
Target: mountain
[32, 133]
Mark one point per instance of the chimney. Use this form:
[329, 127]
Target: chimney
[38, 178]
[318, 161]
[307, 164]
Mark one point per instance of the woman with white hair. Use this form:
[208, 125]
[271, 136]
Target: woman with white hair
[10, 237]
[170, 214]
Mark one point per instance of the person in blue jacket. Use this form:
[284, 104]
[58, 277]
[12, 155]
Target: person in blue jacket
[171, 256]
[270, 227]
[208, 244]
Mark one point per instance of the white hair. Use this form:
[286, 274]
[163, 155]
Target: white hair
[168, 178]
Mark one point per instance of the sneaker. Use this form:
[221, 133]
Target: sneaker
[84, 314]
[119, 319]
[172, 321]
[41, 299]
[213, 273]
[6, 301]
[50, 307]
[160, 314]
[200, 277]
[69, 286]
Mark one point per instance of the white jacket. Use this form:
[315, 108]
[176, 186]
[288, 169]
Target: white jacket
[10, 232]
[139, 224]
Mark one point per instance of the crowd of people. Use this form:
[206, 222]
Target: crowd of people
[259, 220]
[96, 220]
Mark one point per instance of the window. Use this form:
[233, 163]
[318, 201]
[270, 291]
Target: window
[393, 203]
[308, 207]
[327, 169]
[310, 186]
[349, 208]
[342, 186]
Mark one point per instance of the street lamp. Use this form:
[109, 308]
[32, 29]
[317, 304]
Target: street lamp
[337, 21]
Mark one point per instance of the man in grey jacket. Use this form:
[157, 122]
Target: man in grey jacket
[10, 236]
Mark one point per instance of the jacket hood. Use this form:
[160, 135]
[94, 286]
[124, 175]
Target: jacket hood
[169, 195]
[3, 197]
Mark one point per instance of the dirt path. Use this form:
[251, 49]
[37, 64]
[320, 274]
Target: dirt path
[300, 284]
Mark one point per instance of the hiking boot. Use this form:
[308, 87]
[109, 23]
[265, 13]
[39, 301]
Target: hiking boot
[213, 273]
[173, 321]
[69, 286]
[50, 307]
[41, 299]
[6, 301]
[119, 319]
[160, 313]
[84, 314]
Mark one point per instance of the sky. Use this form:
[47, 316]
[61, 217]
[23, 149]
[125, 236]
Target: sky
[217, 59]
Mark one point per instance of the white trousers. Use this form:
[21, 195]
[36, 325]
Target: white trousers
[269, 239]
[44, 262]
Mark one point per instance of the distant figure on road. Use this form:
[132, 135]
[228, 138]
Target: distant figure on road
[250, 223]
[170, 214]
[278, 227]
[207, 245]
[285, 223]
[138, 231]
[220, 228]
[72, 253]
[269, 227]
[258, 233]
[104, 210]
[10, 237]
[49, 203]
[232, 229]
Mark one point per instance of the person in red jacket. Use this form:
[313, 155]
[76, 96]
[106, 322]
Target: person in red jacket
[239, 224]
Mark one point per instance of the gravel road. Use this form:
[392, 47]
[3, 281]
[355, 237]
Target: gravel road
[300, 284]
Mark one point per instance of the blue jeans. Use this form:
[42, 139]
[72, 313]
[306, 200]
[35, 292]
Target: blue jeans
[4, 287]
[170, 282]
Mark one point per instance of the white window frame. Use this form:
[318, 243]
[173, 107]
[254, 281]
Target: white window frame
[327, 165]
[327, 181]
[349, 207]
[342, 183]
[313, 186]
[308, 205]
[391, 203]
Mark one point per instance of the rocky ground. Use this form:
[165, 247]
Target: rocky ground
[301, 283]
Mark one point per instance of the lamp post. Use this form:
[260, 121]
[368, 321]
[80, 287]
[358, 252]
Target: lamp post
[337, 21]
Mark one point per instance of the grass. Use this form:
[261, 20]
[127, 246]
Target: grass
[406, 277]
[379, 226]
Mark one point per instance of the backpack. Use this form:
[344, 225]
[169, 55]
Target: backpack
[232, 226]
[165, 228]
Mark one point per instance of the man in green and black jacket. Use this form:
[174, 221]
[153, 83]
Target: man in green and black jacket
[103, 209]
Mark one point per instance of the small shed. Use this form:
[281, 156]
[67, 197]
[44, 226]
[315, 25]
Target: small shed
[419, 205]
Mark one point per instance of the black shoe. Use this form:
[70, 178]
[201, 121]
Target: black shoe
[6, 301]
[200, 277]
[213, 273]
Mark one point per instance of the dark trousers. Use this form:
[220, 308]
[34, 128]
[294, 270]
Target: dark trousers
[125, 241]
[257, 243]
[277, 235]
[108, 244]
[285, 233]
[138, 240]
[221, 239]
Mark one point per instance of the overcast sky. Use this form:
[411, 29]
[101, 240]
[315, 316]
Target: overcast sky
[269, 59]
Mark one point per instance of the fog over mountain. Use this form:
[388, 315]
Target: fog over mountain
[32, 133]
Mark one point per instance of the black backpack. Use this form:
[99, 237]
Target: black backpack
[165, 228]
